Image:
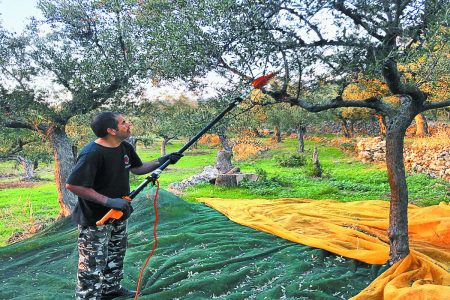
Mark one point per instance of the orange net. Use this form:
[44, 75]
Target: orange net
[358, 230]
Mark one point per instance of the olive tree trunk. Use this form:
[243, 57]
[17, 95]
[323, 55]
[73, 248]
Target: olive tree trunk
[421, 126]
[345, 128]
[300, 130]
[28, 167]
[382, 124]
[163, 145]
[398, 213]
[224, 141]
[64, 161]
[277, 134]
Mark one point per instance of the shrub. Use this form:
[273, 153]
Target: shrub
[261, 173]
[292, 160]
[265, 185]
[347, 146]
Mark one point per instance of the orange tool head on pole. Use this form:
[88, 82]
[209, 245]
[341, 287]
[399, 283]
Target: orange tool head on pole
[262, 81]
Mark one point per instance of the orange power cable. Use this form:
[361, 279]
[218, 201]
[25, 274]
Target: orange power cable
[154, 245]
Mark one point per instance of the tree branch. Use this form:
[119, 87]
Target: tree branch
[373, 103]
[19, 124]
[392, 77]
[357, 19]
[434, 105]
[224, 65]
[286, 73]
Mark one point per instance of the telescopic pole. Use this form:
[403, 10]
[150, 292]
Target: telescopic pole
[116, 214]
[155, 174]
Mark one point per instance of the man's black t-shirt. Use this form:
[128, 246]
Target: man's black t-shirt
[107, 171]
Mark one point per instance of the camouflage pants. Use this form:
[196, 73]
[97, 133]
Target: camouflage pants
[101, 252]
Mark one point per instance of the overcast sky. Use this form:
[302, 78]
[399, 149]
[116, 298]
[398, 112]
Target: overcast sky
[14, 13]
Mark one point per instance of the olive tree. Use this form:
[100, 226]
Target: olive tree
[84, 55]
[336, 42]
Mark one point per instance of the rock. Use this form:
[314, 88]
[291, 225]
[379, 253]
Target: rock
[234, 170]
[209, 173]
[433, 160]
[229, 180]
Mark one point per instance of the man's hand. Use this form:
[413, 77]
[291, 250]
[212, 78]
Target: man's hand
[127, 212]
[118, 203]
[122, 205]
[173, 157]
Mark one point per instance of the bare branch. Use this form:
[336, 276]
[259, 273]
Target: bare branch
[396, 86]
[373, 103]
[357, 19]
[18, 124]
[286, 73]
[21, 124]
[312, 26]
[434, 105]
[224, 65]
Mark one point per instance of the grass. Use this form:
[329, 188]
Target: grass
[345, 179]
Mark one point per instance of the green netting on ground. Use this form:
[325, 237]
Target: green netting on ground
[201, 255]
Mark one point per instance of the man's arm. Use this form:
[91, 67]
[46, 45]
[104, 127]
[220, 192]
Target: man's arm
[150, 166]
[146, 167]
[91, 195]
[87, 193]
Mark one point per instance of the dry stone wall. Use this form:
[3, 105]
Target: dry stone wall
[433, 160]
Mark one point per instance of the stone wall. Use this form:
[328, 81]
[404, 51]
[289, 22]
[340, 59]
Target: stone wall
[433, 160]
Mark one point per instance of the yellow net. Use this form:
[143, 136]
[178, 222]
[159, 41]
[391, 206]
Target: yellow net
[358, 230]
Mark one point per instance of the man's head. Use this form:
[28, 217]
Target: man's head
[111, 123]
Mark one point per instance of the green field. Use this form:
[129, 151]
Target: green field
[344, 179]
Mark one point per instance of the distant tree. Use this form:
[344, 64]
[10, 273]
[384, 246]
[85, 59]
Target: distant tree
[24, 147]
[167, 119]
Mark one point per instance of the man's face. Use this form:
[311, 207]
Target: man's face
[123, 130]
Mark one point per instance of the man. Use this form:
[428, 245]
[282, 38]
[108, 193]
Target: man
[100, 179]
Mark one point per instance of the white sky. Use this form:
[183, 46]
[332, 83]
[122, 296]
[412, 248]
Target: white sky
[14, 13]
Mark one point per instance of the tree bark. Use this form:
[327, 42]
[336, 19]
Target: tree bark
[421, 125]
[300, 130]
[163, 145]
[344, 127]
[277, 134]
[28, 167]
[351, 129]
[382, 124]
[64, 161]
[225, 142]
[226, 180]
[398, 213]
[223, 162]
[317, 169]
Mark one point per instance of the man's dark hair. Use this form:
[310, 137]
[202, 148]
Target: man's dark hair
[102, 121]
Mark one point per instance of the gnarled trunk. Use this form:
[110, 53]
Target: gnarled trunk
[398, 213]
[64, 161]
[28, 167]
[382, 124]
[344, 127]
[351, 128]
[421, 125]
[277, 134]
[223, 161]
[164, 143]
[300, 130]
[225, 142]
